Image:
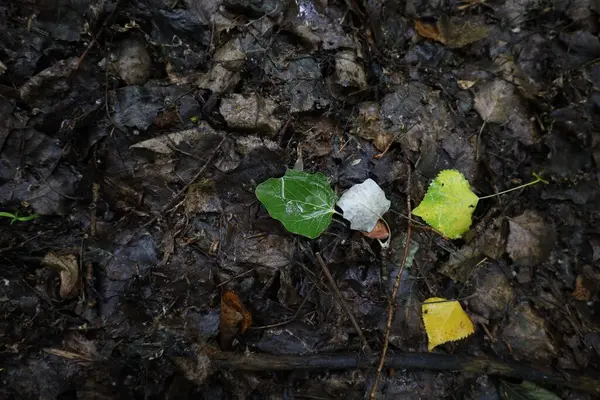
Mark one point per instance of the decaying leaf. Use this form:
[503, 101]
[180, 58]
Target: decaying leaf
[494, 101]
[448, 204]
[587, 284]
[530, 239]
[234, 318]
[464, 84]
[445, 321]
[498, 102]
[527, 335]
[379, 232]
[525, 391]
[301, 201]
[363, 205]
[369, 125]
[66, 265]
[452, 32]
[201, 197]
[429, 31]
[199, 136]
[581, 292]
[494, 292]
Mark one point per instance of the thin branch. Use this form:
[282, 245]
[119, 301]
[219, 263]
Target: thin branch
[392, 300]
[343, 303]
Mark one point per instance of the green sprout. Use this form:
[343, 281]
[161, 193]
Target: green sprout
[15, 217]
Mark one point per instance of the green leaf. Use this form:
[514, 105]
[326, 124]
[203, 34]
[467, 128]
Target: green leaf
[448, 204]
[301, 201]
[525, 391]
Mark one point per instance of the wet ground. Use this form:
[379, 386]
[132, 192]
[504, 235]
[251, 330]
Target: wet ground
[138, 130]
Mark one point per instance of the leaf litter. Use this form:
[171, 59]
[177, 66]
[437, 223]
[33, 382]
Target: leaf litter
[107, 151]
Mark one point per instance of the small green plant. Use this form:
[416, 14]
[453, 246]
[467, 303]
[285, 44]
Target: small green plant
[15, 217]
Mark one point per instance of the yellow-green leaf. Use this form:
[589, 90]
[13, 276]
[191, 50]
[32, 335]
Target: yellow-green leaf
[445, 321]
[448, 204]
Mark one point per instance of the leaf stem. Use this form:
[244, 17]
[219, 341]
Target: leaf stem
[537, 180]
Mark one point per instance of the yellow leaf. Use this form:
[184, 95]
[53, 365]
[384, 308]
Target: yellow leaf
[445, 321]
[448, 204]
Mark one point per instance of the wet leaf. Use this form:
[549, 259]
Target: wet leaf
[234, 318]
[66, 266]
[495, 100]
[464, 84]
[527, 335]
[445, 321]
[379, 232]
[429, 31]
[581, 292]
[526, 391]
[452, 32]
[301, 201]
[530, 239]
[448, 204]
[363, 205]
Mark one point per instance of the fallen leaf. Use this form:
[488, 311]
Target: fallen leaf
[445, 321]
[301, 201]
[379, 232]
[234, 320]
[527, 335]
[199, 136]
[530, 239]
[66, 265]
[452, 32]
[464, 85]
[428, 31]
[525, 391]
[498, 102]
[201, 197]
[581, 292]
[363, 205]
[494, 101]
[448, 204]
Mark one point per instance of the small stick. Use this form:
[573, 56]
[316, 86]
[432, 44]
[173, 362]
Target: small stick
[392, 301]
[343, 302]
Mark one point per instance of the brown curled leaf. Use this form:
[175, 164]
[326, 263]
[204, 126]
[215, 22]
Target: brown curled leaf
[379, 232]
[234, 319]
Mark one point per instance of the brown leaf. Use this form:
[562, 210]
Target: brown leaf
[66, 265]
[379, 232]
[452, 32]
[580, 292]
[428, 31]
[234, 318]
[530, 239]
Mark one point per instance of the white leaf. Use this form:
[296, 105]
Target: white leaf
[363, 205]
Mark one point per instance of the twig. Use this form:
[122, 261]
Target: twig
[98, 35]
[343, 302]
[422, 361]
[392, 300]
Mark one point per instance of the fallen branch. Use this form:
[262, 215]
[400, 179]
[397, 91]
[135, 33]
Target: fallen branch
[423, 361]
